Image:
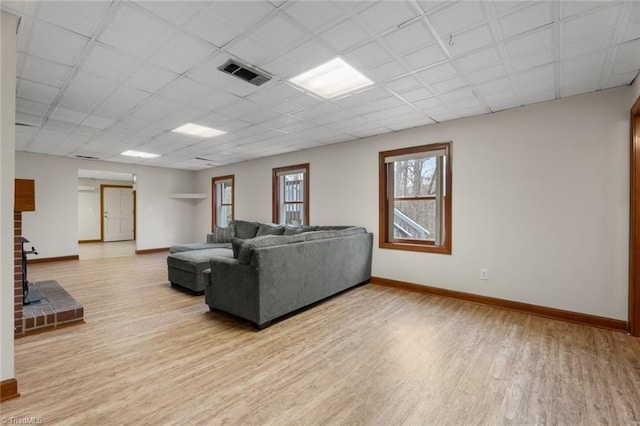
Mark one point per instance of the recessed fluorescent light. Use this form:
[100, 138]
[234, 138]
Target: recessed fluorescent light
[139, 154]
[197, 130]
[332, 79]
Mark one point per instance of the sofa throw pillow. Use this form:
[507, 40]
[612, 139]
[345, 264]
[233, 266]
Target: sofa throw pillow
[236, 243]
[267, 229]
[245, 229]
[223, 235]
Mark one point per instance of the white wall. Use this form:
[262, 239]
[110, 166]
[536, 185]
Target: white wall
[8, 26]
[53, 227]
[89, 211]
[540, 198]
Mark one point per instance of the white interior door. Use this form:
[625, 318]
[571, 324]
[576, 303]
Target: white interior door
[118, 214]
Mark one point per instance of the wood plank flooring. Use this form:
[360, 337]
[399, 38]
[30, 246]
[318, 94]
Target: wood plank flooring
[149, 354]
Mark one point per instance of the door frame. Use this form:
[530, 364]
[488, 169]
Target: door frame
[102, 187]
[634, 222]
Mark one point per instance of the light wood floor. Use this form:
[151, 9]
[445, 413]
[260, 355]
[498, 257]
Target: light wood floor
[372, 356]
[109, 249]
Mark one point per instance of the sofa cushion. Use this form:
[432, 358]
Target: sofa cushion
[246, 249]
[236, 243]
[222, 234]
[320, 235]
[196, 260]
[245, 229]
[269, 229]
[293, 230]
[197, 246]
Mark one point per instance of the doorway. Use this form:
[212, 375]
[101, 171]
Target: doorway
[106, 214]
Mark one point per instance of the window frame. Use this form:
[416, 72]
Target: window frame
[386, 239]
[275, 191]
[214, 198]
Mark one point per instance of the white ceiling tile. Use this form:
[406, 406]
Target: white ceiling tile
[572, 8]
[132, 31]
[275, 94]
[438, 73]
[583, 68]
[577, 88]
[150, 78]
[479, 59]
[624, 79]
[56, 44]
[185, 90]
[409, 38]
[97, 122]
[284, 67]
[384, 104]
[36, 92]
[403, 84]
[188, 49]
[456, 17]
[502, 85]
[416, 94]
[30, 107]
[536, 76]
[311, 54]
[168, 10]
[241, 14]
[387, 15]
[45, 72]
[535, 40]
[70, 116]
[588, 44]
[63, 14]
[240, 88]
[470, 40]
[533, 60]
[107, 62]
[430, 105]
[280, 33]
[539, 94]
[503, 103]
[627, 57]
[344, 35]
[386, 71]
[448, 85]
[313, 14]
[526, 19]
[632, 30]
[487, 74]
[252, 51]
[215, 31]
[597, 21]
[391, 112]
[504, 7]
[425, 57]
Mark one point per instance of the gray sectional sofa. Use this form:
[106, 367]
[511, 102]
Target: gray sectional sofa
[271, 271]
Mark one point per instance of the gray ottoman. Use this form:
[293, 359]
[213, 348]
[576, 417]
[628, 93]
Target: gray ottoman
[185, 268]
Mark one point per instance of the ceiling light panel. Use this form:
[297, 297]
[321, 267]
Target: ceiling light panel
[139, 154]
[331, 79]
[198, 131]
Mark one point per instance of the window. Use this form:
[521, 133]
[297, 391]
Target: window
[415, 198]
[291, 195]
[222, 197]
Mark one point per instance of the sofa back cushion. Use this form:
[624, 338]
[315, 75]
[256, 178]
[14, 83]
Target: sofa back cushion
[293, 230]
[269, 229]
[321, 235]
[245, 229]
[247, 247]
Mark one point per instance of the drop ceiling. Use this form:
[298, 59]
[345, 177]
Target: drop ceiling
[97, 78]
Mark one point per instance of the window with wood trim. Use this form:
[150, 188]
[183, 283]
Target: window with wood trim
[222, 198]
[415, 198]
[291, 195]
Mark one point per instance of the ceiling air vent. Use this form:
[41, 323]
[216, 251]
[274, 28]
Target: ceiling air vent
[243, 72]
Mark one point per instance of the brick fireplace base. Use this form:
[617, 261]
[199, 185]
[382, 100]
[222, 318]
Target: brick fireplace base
[58, 309]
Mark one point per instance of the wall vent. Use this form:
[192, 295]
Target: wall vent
[244, 72]
[87, 157]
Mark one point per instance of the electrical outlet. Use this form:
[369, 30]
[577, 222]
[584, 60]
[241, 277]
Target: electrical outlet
[484, 274]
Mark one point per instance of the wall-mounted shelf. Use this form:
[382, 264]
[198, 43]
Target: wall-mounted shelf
[189, 195]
